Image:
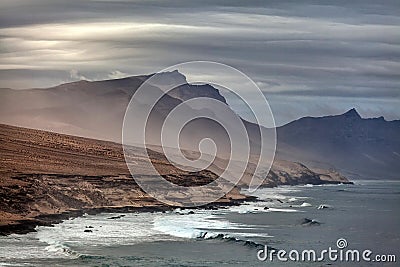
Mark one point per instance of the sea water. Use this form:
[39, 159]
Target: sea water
[365, 214]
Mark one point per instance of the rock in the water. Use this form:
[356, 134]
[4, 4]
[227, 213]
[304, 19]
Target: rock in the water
[308, 222]
[116, 217]
[88, 231]
[323, 206]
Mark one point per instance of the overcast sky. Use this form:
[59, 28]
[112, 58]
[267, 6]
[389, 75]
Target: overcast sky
[309, 58]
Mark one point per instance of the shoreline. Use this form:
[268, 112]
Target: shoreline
[62, 176]
[26, 226]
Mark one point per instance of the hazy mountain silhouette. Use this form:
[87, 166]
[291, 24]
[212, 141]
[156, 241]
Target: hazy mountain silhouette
[366, 147]
[91, 109]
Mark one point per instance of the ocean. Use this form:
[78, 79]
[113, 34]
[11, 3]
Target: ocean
[291, 218]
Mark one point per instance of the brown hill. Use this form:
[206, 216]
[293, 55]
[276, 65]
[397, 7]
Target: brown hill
[47, 176]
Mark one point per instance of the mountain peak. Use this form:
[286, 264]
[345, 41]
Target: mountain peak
[352, 113]
[167, 78]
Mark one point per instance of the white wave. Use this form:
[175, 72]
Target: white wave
[57, 247]
[280, 193]
[202, 224]
[69, 239]
[283, 210]
[26, 247]
[133, 228]
[305, 204]
[248, 235]
[259, 207]
[253, 207]
[180, 226]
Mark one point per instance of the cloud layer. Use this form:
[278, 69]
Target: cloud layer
[314, 59]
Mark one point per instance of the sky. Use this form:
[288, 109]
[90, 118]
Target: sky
[310, 58]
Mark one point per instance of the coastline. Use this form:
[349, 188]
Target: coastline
[120, 239]
[47, 177]
[29, 225]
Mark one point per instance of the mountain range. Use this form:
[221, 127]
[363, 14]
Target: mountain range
[358, 147]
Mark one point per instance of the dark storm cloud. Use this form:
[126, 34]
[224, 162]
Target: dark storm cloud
[344, 49]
